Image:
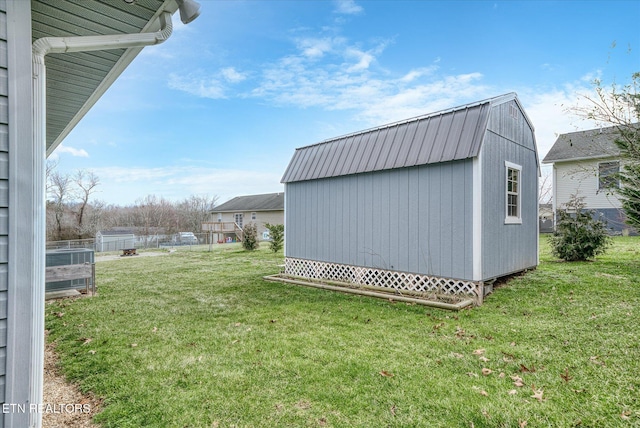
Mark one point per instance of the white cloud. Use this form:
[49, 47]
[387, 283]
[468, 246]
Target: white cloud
[203, 87]
[348, 7]
[232, 75]
[314, 47]
[124, 186]
[207, 85]
[364, 59]
[551, 112]
[71, 150]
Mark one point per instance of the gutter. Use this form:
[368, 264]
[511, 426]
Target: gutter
[40, 49]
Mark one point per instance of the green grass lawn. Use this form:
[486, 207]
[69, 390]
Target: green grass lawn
[198, 339]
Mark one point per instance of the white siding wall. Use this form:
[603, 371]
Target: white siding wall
[581, 178]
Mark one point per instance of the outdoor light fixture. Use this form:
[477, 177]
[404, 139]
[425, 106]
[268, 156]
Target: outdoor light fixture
[189, 10]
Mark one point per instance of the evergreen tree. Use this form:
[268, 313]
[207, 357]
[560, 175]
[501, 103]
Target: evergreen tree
[250, 237]
[578, 235]
[276, 233]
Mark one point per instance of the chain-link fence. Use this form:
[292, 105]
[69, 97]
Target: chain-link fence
[136, 241]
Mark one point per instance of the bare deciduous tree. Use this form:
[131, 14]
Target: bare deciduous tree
[59, 190]
[85, 183]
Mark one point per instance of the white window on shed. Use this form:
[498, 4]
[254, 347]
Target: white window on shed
[253, 216]
[608, 175]
[513, 196]
[219, 216]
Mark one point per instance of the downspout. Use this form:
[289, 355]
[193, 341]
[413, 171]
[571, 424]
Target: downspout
[40, 49]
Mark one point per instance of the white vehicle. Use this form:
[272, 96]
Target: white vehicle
[186, 238]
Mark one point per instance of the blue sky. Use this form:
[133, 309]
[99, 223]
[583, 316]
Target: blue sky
[219, 108]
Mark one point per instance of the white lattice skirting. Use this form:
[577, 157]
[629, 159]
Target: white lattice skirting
[386, 279]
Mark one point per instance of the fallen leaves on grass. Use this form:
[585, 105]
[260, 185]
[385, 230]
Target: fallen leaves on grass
[134, 345]
[385, 373]
[565, 376]
[525, 369]
[478, 352]
[625, 415]
[393, 410]
[522, 424]
[595, 360]
[455, 354]
[517, 381]
[486, 371]
[537, 393]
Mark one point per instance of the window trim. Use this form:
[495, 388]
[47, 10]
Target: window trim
[615, 185]
[507, 218]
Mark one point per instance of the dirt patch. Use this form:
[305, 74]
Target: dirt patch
[64, 405]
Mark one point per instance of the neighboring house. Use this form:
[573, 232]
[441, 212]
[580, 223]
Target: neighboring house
[585, 164]
[115, 239]
[258, 209]
[545, 214]
[55, 63]
[447, 200]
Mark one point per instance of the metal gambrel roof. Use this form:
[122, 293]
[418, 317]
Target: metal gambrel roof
[443, 136]
[581, 145]
[266, 202]
[75, 81]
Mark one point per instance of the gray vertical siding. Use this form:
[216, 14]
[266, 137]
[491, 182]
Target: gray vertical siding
[415, 219]
[508, 248]
[4, 197]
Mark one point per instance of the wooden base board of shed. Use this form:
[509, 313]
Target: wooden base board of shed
[350, 289]
[61, 294]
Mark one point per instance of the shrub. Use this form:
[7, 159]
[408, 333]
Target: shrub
[276, 233]
[250, 237]
[578, 235]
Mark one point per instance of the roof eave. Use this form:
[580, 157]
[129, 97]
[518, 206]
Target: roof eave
[115, 72]
[584, 158]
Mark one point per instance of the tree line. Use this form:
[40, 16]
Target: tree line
[73, 213]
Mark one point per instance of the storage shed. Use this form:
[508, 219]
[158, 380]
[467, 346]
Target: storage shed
[443, 203]
[115, 239]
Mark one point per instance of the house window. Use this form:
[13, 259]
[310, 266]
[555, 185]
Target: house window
[253, 216]
[608, 175]
[238, 219]
[219, 216]
[513, 195]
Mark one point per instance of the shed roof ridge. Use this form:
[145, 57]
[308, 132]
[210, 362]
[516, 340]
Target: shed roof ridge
[493, 101]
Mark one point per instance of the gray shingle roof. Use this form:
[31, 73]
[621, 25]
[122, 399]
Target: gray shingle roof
[266, 202]
[590, 144]
[437, 137]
